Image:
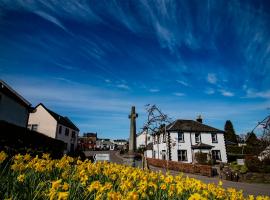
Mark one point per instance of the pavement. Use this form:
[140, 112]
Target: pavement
[247, 188]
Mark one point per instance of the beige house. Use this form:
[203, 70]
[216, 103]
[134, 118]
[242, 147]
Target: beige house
[14, 108]
[54, 125]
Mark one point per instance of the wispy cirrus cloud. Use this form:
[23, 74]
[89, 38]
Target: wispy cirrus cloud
[51, 19]
[123, 86]
[226, 93]
[210, 91]
[154, 90]
[258, 94]
[211, 78]
[182, 83]
[179, 94]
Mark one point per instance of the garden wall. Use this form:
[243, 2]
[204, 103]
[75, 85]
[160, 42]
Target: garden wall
[204, 170]
[15, 139]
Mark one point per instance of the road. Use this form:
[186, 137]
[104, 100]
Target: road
[247, 188]
[113, 155]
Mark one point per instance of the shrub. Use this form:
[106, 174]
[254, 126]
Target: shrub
[253, 163]
[243, 169]
[201, 158]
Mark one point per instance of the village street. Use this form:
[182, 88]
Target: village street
[248, 188]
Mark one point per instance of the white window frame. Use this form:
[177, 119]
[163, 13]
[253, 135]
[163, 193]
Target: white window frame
[183, 137]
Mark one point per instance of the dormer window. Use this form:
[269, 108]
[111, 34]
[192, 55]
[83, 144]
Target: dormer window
[197, 137]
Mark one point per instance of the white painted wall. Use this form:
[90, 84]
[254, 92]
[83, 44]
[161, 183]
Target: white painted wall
[186, 145]
[12, 111]
[140, 140]
[46, 123]
[149, 153]
[189, 140]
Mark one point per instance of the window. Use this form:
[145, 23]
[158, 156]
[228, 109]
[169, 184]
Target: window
[181, 137]
[29, 126]
[71, 147]
[34, 127]
[154, 154]
[197, 137]
[60, 129]
[164, 138]
[148, 138]
[214, 137]
[67, 132]
[182, 155]
[73, 134]
[216, 154]
[163, 154]
[66, 146]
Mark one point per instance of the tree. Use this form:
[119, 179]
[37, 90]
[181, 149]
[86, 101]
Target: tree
[229, 132]
[252, 140]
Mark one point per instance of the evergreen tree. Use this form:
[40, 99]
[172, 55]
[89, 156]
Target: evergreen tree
[229, 132]
[252, 139]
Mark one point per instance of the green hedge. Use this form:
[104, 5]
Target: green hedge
[15, 139]
[245, 150]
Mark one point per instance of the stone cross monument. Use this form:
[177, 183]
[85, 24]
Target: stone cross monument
[132, 136]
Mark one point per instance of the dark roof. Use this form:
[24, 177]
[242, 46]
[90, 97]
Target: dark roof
[120, 140]
[190, 126]
[6, 89]
[60, 119]
[201, 146]
[90, 135]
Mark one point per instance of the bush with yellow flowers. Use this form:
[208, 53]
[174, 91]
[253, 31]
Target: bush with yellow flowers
[27, 177]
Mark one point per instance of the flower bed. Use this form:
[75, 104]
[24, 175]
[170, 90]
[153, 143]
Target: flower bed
[25, 177]
[204, 170]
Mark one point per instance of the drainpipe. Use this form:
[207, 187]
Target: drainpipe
[191, 147]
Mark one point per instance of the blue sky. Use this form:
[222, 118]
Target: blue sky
[93, 60]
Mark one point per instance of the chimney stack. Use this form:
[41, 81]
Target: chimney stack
[199, 119]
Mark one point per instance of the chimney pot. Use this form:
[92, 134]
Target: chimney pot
[199, 119]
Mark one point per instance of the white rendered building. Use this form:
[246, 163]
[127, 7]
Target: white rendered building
[141, 140]
[55, 126]
[184, 138]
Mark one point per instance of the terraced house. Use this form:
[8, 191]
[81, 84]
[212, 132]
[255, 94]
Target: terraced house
[182, 139]
[54, 125]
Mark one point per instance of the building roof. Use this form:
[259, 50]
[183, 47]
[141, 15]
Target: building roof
[120, 140]
[6, 89]
[190, 126]
[90, 135]
[60, 119]
[201, 146]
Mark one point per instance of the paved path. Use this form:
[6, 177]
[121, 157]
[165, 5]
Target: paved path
[113, 155]
[248, 188]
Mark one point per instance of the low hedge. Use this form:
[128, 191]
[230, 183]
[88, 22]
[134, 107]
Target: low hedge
[204, 170]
